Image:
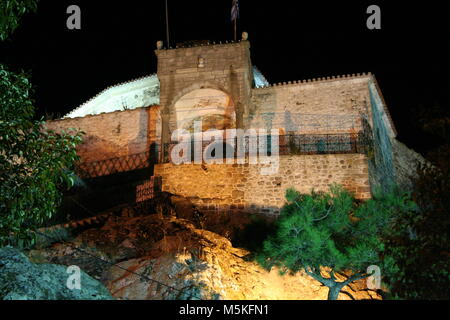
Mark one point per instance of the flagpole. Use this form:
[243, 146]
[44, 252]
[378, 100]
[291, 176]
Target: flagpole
[234, 16]
[167, 26]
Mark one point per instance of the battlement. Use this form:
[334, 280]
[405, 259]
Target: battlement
[318, 80]
[207, 44]
[204, 58]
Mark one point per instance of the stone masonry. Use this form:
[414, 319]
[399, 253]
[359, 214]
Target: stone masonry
[116, 134]
[243, 188]
[342, 105]
[225, 67]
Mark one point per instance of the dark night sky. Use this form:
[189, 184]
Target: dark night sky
[291, 40]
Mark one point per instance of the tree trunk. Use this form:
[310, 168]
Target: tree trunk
[335, 287]
[333, 292]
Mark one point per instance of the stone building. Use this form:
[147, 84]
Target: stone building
[330, 130]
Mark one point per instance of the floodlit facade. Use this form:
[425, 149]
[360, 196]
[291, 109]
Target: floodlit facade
[328, 130]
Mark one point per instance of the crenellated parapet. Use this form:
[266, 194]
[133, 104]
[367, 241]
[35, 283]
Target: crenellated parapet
[203, 44]
[318, 80]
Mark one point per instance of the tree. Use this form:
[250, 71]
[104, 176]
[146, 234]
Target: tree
[35, 164]
[419, 241]
[11, 11]
[332, 230]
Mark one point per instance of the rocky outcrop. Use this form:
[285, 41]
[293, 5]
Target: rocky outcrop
[169, 258]
[21, 279]
[215, 270]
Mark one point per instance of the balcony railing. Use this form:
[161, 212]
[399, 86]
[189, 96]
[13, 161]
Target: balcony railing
[323, 144]
[289, 144]
[86, 170]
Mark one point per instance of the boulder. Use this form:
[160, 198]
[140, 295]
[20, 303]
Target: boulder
[20, 279]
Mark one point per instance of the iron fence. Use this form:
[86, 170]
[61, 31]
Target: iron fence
[323, 144]
[289, 144]
[111, 166]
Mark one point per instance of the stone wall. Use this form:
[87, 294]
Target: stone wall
[115, 134]
[243, 188]
[329, 106]
[381, 161]
[406, 162]
[224, 67]
[228, 66]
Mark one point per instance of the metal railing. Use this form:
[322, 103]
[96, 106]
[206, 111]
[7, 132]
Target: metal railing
[289, 144]
[86, 170]
[323, 144]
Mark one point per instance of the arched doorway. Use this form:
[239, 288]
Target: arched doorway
[214, 108]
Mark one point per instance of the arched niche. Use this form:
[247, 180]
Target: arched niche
[213, 107]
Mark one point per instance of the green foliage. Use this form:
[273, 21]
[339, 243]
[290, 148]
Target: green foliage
[34, 163]
[303, 238]
[419, 241]
[332, 230]
[11, 11]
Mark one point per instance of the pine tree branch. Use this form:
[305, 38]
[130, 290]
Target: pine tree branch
[326, 215]
[331, 282]
[356, 277]
[332, 275]
[326, 282]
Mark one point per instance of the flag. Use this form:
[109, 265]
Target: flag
[235, 10]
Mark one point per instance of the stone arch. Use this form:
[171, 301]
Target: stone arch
[195, 86]
[203, 102]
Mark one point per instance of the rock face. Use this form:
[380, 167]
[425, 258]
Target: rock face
[21, 279]
[185, 262]
[213, 269]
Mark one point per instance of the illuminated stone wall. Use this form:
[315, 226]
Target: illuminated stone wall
[320, 107]
[223, 67]
[115, 134]
[216, 84]
[212, 107]
[243, 188]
